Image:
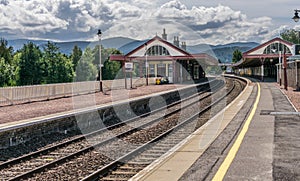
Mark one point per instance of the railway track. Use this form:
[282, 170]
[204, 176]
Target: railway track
[43, 160]
[129, 165]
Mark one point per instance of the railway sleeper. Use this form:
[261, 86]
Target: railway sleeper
[51, 156]
[7, 176]
[129, 170]
[122, 172]
[153, 154]
[137, 164]
[145, 159]
[114, 179]
[131, 167]
[58, 153]
[144, 164]
[161, 149]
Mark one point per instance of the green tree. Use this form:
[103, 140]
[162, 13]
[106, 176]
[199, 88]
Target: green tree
[291, 35]
[96, 55]
[30, 66]
[111, 68]
[7, 66]
[16, 69]
[236, 56]
[65, 69]
[49, 61]
[5, 51]
[57, 67]
[5, 73]
[75, 56]
[86, 70]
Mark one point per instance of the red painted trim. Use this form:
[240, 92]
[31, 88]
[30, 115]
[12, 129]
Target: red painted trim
[116, 57]
[158, 58]
[265, 56]
[161, 40]
[266, 43]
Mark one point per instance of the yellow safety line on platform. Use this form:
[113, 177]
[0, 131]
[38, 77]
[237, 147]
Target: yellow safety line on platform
[229, 158]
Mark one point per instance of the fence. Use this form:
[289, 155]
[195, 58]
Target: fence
[23, 94]
[293, 74]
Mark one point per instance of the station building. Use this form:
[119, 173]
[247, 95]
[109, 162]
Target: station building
[159, 58]
[261, 61]
[267, 61]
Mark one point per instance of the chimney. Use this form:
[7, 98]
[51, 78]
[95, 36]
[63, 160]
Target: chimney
[183, 45]
[176, 41]
[164, 35]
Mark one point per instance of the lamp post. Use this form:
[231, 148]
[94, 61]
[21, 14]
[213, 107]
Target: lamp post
[296, 19]
[99, 33]
[146, 56]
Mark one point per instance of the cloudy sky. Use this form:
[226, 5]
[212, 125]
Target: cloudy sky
[194, 21]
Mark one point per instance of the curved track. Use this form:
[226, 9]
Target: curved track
[25, 166]
[131, 164]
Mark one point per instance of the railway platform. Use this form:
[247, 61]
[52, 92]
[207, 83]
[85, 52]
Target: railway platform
[255, 138]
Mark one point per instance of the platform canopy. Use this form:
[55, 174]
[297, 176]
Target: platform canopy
[267, 51]
[162, 50]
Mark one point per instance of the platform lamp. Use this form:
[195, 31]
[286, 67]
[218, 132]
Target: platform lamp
[296, 19]
[99, 33]
[296, 16]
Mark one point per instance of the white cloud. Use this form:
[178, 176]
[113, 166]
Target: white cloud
[276, 32]
[27, 18]
[175, 4]
[77, 19]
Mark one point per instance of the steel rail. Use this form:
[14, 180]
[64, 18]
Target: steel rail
[106, 169]
[70, 156]
[82, 137]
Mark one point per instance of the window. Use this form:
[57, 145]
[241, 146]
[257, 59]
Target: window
[152, 70]
[196, 72]
[274, 48]
[161, 70]
[157, 50]
[170, 70]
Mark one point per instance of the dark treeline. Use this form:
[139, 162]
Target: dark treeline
[32, 65]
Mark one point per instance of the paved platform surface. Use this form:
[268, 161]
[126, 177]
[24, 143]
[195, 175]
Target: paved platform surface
[42, 108]
[72, 105]
[270, 148]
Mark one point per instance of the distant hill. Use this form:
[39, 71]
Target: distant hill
[131, 46]
[222, 52]
[18, 43]
[125, 45]
[116, 42]
[67, 47]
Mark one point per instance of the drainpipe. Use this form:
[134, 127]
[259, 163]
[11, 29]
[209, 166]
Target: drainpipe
[284, 71]
[297, 83]
[280, 65]
[262, 68]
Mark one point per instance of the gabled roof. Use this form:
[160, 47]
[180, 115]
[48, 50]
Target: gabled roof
[175, 53]
[262, 46]
[254, 56]
[164, 42]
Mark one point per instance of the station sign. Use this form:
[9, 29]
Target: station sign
[128, 66]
